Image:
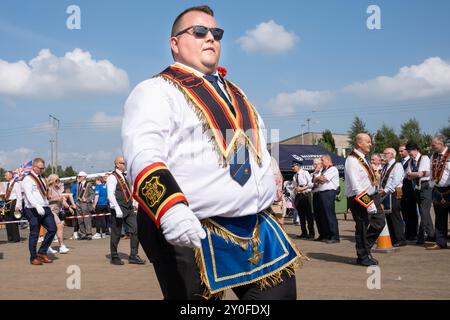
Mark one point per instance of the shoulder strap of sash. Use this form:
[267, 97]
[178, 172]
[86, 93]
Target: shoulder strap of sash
[41, 186]
[9, 190]
[438, 167]
[123, 186]
[387, 174]
[365, 166]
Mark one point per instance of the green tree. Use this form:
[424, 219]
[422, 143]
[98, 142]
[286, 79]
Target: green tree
[327, 141]
[385, 138]
[2, 174]
[358, 126]
[410, 131]
[48, 170]
[69, 172]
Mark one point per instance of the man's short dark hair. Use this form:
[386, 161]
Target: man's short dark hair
[411, 146]
[36, 160]
[176, 23]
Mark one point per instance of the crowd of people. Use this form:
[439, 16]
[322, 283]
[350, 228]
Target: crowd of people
[399, 191]
[47, 207]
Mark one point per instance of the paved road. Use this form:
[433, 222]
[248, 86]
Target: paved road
[331, 273]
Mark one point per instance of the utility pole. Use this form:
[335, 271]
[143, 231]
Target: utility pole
[54, 122]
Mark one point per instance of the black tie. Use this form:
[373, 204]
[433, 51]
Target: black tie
[214, 80]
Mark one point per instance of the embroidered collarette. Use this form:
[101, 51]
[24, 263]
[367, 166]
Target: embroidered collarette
[215, 114]
[123, 185]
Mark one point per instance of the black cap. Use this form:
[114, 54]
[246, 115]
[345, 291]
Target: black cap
[296, 163]
[411, 146]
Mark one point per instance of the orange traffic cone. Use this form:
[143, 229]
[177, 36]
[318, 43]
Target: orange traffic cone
[384, 243]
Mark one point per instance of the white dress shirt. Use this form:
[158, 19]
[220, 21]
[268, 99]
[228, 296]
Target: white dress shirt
[111, 186]
[356, 178]
[395, 179]
[302, 178]
[445, 179]
[315, 187]
[160, 125]
[332, 182]
[16, 194]
[403, 160]
[424, 166]
[33, 198]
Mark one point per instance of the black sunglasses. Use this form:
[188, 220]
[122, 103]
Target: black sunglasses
[202, 31]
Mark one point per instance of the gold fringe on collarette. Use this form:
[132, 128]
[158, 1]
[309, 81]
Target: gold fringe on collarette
[223, 159]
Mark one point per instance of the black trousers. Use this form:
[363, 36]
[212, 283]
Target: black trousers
[327, 199]
[424, 200]
[409, 210]
[12, 229]
[441, 223]
[100, 222]
[303, 205]
[368, 227]
[395, 221]
[178, 274]
[321, 222]
[129, 219]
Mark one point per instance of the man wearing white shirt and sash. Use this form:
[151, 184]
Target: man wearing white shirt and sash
[195, 149]
[37, 212]
[360, 189]
[440, 182]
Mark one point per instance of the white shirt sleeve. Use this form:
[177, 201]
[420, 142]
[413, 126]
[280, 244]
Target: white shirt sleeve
[28, 187]
[146, 127]
[332, 176]
[111, 185]
[395, 178]
[18, 192]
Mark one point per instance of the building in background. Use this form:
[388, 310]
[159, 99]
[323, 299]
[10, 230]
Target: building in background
[311, 138]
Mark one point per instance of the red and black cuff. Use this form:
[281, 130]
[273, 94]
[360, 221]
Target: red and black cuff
[156, 191]
[364, 199]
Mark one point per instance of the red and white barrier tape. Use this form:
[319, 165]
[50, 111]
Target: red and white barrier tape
[89, 215]
[18, 221]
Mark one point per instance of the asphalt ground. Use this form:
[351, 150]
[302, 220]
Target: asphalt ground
[330, 273]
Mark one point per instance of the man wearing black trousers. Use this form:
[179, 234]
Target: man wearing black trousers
[360, 183]
[390, 185]
[321, 222]
[408, 203]
[13, 203]
[328, 184]
[121, 204]
[302, 185]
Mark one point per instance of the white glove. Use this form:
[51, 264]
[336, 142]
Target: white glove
[119, 213]
[181, 227]
[372, 208]
[40, 210]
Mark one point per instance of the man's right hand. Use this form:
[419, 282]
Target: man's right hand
[372, 209]
[181, 227]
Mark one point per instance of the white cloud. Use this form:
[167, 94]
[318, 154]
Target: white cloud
[289, 102]
[12, 159]
[48, 76]
[91, 162]
[102, 118]
[268, 37]
[429, 79]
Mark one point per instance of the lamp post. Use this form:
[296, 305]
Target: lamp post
[303, 134]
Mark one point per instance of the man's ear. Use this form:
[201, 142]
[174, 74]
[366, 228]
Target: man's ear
[174, 45]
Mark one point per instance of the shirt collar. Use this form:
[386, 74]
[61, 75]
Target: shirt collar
[391, 161]
[360, 153]
[418, 156]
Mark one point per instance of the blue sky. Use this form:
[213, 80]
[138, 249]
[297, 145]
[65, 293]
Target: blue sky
[294, 59]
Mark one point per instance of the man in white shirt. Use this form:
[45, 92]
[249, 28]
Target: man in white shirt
[302, 185]
[37, 212]
[13, 205]
[195, 149]
[440, 182]
[328, 184]
[408, 202]
[360, 183]
[319, 215]
[419, 173]
[122, 212]
[390, 187]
